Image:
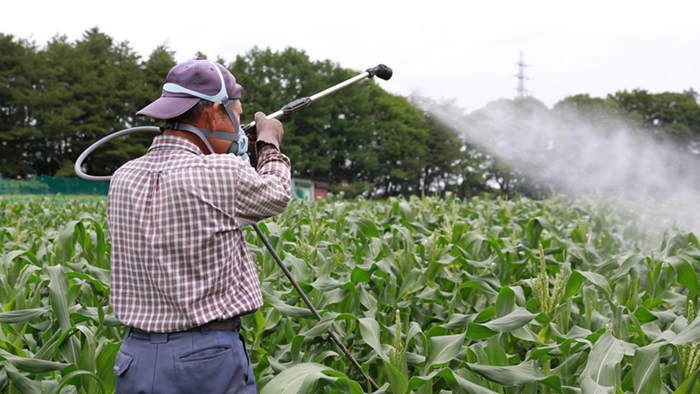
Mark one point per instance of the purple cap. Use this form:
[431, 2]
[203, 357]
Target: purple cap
[189, 82]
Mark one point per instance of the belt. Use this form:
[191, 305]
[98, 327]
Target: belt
[216, 325]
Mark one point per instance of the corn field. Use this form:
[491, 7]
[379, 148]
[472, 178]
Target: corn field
[430, 295]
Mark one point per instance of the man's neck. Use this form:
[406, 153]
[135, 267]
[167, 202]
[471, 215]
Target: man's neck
[190, 137]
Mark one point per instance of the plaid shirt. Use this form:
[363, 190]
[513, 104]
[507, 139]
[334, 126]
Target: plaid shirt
[175, 217]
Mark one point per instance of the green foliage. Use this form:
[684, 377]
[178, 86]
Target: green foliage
[429, 295]
[62, 98]
[503, 128]
[463, 306]
[666, 116]
[534, 151]
[57, 328]
[362, 139]
[17, 73]
[324, 141]
[58, 100]
[48, 185]
[29, 186]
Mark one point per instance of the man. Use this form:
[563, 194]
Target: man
[181, 271]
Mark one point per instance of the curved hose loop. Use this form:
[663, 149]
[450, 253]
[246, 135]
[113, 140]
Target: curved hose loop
[79, 162]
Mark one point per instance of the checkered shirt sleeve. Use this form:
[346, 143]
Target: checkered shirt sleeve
[175, 218]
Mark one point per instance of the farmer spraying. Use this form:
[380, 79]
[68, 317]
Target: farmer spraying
[182, 274]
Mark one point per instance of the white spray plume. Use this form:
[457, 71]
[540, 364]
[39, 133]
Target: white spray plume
[584, 153]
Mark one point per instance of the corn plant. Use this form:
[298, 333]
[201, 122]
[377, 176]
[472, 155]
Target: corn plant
[430, 295]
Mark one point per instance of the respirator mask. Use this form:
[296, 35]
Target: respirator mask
[239, 140]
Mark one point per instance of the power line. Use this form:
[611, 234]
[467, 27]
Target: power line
[522, 92]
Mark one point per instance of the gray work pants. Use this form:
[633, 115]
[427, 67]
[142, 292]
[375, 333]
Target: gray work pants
[203, 361]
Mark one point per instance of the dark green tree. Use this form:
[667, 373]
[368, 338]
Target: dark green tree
[107, 90]
[673, 117]
[603, 116]
[692, 94]
[328, 139]
[151, 78]
[154, 71]
[401, 140]
[450, 163]
[68, 95]
[514, 134]
[471, 172]
[59, 100]
[18, 75]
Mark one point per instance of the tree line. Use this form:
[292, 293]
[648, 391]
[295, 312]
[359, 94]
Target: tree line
[58, 99]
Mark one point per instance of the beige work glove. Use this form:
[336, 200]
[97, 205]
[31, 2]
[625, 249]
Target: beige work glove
[269, 131]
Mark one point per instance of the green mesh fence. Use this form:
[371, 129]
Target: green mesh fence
[44, 184]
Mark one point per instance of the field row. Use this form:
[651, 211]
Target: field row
[429, 295]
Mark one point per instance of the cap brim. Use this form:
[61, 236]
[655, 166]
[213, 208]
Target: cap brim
[168, 107]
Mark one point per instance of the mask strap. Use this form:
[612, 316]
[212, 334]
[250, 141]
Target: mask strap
[219, 135]
[240, 146]
[229, 111]
[238, 140]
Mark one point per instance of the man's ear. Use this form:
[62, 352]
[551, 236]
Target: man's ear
[209, 116]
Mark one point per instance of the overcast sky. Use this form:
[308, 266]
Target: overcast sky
[455, 50]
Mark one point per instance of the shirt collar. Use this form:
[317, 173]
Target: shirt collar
[170, 142]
